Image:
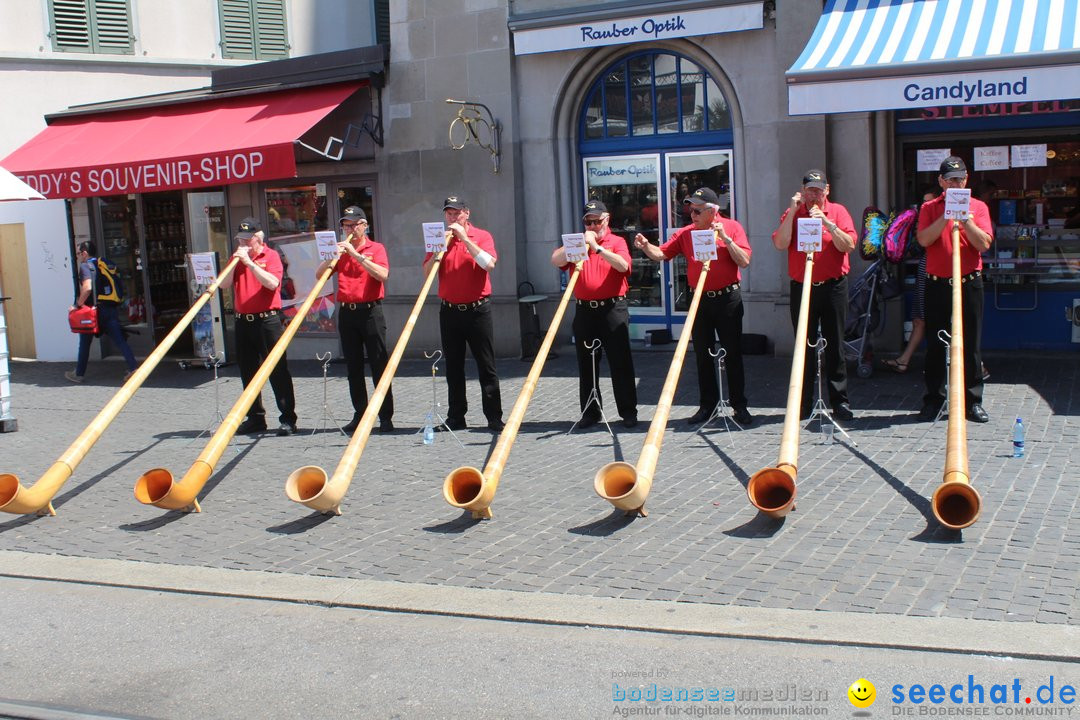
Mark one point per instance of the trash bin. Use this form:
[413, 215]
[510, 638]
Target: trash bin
[531, 336]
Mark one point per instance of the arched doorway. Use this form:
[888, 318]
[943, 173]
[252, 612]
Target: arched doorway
[654, 127]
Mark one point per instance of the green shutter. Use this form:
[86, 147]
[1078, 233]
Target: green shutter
[254, 29]
[382, 22]
[98, 26]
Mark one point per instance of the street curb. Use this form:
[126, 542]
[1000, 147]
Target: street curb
[979, 637]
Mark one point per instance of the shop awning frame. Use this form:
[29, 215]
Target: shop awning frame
[867, 55]
[240, 138]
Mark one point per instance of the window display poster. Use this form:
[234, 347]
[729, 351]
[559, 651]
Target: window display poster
[203, 273]
[957, 203]
[808, 234]
[930, 160]
[300, 258]
[574, 244]
[994, 157]
[1029, 155]
[704, 242]
[1006, 212]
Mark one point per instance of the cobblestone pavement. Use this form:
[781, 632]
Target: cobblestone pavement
[863, 538]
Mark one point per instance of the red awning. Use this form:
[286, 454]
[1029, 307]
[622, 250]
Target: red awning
[239, 139]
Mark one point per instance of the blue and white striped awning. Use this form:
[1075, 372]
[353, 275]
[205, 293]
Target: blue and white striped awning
[896, 54]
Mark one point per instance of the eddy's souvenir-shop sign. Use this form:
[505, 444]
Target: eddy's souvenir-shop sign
[639, 29]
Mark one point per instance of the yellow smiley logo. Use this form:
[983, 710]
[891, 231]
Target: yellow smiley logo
[862, 693]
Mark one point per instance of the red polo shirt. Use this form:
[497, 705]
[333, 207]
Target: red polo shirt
[830, 263]
[598, 280]
[723, 271]
[355, 284]
[461, 280]
[251, 296]
[939, 254]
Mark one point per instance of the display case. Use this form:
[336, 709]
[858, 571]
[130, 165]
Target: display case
[166, 249]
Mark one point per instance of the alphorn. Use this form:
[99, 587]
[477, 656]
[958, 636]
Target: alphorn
[772, 490]
[14, 498]
[470, 489]
[157, 487]
[956, 503]
[309, 485]
[627, 486]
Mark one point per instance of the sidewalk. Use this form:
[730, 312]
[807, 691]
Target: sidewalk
[863, 539]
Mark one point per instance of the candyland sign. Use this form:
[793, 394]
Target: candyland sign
[641, 28]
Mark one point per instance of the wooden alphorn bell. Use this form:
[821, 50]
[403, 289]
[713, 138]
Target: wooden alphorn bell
[310, 485]
[470, 489]
[37, 498]
[956, 503]
[157, 487]
[772, 490]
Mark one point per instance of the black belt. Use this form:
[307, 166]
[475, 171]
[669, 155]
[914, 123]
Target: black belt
[964, 279]
[722, 291]
[830, 281]
[359, 305]
[600, 303]
[250, 317]
[465, 306]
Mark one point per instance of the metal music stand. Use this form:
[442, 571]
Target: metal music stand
[722, 405]
[214, 361]
[944, 337]
[594, 395]
[328, 419]
[820, 410]
[436, 418]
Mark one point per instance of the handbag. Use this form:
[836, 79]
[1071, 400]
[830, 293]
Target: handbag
[83, 320]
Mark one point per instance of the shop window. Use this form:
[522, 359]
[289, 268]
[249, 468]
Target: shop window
[91, 26]
[253, 29]
[653, 93]
[295, 213]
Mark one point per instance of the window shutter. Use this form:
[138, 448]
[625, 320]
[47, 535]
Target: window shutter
[70, 25]
[271, 32]
[112, 25]
[382, 22]
[237, 29]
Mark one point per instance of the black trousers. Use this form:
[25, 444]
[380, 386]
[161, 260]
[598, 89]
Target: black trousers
[939, 317]
[719, 317]
[610, 325]
[363, 331]
[828, 305]
[472, 327]
[254, 340]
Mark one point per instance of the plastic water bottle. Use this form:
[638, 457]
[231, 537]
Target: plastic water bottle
[1018, 438]
[429, 431]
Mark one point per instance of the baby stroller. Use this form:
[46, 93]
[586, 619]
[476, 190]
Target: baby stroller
[865, 317]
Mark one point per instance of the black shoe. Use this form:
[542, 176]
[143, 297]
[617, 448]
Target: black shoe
[453, 424]
[386, 426]
[496, 425]
[588, 421]
[843, 412]
[251, 426]
[286, 429]
[630, 421]
[929, 412]
[975, 413]
[699, 417]
[353, 424]
[743, 416]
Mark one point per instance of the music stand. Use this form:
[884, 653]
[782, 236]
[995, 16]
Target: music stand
[327, 416]
[820, 411]
[593, 347]
[213, 361]
[722, 405]
[437, 420]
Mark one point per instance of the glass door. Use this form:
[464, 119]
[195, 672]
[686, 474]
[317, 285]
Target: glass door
[207, 223]
[629, 186]
[117, 216]
[686, 172]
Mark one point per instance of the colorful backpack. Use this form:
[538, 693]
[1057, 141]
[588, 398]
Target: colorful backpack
[899, 238]
[875, 224]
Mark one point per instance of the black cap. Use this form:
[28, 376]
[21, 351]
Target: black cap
[702, 196]
[815, 178]
[353, 213]
[455, 202]
[952, 167]
[594, 207]
[248, 227]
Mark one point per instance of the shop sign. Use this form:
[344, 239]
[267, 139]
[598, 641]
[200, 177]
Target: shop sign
[931, 159]
[1009, 109]
[193, 171]
[1029, 155]
[621, 172]
[639, 29]
[995, 157]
